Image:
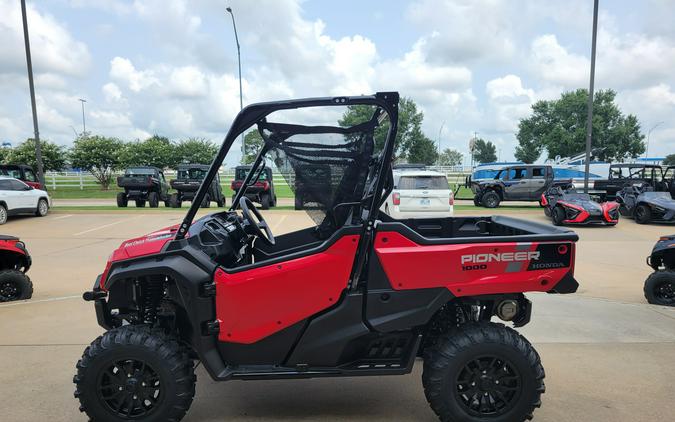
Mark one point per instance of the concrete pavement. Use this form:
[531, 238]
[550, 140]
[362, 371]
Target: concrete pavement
[606, 352]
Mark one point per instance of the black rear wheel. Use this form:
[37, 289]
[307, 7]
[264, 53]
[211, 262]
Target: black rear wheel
[483, 372]
[15, 285]
[122, 200]
[174, 201]
[153, 199]
[265, 201]
[660, 288]
[135, 373]
[643, 214]
[206, 202]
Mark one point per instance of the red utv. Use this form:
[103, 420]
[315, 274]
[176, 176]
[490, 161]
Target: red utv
[358, 294]
[566, 206]
[14, 263]
[22, 172]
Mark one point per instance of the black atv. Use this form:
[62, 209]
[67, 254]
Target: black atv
[188, 181]
[141, 184]
[660, 285]
[262, 191]
[310, 182]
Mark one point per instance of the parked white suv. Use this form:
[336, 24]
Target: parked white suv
[16, 197]
[419, 193]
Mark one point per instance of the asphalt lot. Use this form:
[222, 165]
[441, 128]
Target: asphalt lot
[607, 354]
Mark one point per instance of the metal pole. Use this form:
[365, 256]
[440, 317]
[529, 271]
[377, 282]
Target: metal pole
[438, 160]
[84, 126]
[589, 124]
[648, 135]
[241, 97]
[29, 65]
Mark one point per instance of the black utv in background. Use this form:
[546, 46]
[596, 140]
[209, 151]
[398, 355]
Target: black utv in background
[660, 285]
[188, 181]
[310, 183]
[515, 183]
[261, 191]
[141, 184]
[622, 175]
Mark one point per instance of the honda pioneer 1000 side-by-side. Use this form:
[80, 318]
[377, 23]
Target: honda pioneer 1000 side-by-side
[356, 294]
[14, 263]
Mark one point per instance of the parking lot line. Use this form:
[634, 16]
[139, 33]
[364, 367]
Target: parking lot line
[62, 217]
[105, 225]
[30, 302]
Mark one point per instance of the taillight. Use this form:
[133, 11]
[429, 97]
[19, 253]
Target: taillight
[451, 200]
[266, 185]
[232, 186]
[396, 198]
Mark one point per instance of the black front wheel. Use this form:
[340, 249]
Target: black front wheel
[643, 214]
[558, 216]
[660, 288]
[135, 373]
[491, 199]
[15, 285]
[483, 372]
[122, 199]
[153, 199]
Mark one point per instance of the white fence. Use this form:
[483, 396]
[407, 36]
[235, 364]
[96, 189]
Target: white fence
[84, 180]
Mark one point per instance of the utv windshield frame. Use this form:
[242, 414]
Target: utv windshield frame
[386, 104]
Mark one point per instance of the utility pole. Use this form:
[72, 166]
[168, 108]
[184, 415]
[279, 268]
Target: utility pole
[648, 135]
[84, 126]
[29, 65]
[241, 96]
[589, 123]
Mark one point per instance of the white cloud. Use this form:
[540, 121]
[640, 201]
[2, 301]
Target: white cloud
[52, 46]
[111, 93]
[187, 81]
[509, 102]
[122, 70]
[554, 64]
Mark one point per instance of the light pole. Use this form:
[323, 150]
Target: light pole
[84, 126]
[589, 123]
[439, 143]
[648, 135]
[241, 97]
[31, 86]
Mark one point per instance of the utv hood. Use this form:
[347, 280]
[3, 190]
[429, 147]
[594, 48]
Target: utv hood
[144, 245]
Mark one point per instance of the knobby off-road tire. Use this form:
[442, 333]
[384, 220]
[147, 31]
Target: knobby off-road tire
[144, 363]
[483, 372]
[15, 285]
[122, 200]
[265, 201]
[174, 202]
[206, 202]
[660, 288]
[153, 199]
[643, 214]
[491, 199]
[42, 208]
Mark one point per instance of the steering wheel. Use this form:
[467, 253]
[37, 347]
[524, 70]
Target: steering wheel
[248, 210]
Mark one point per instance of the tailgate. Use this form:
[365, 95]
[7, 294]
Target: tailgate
[134, 181]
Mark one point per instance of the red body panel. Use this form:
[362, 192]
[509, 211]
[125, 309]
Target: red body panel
[140, 246]
[580, 218]
[606, 208]
[409, 265]
[34, 185]
[10, 245]
[254, 304]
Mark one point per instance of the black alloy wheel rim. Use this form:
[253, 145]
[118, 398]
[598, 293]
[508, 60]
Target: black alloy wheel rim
[488, 386]
[130, 389]
[640, 213]
[491, 201]
[665, 292]
[9, 290]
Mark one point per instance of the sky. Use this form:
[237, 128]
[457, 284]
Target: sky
[169, 67]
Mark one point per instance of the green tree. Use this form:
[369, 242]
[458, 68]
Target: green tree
[669, 160]
[4, 153]
[54, 156]
[195, 151]
[423, 151]
[99, 155]
[484, 151]
[155, 151]
[409, 127]
[252, 144]
[528, 150]
[559, 126]
[450, 157]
